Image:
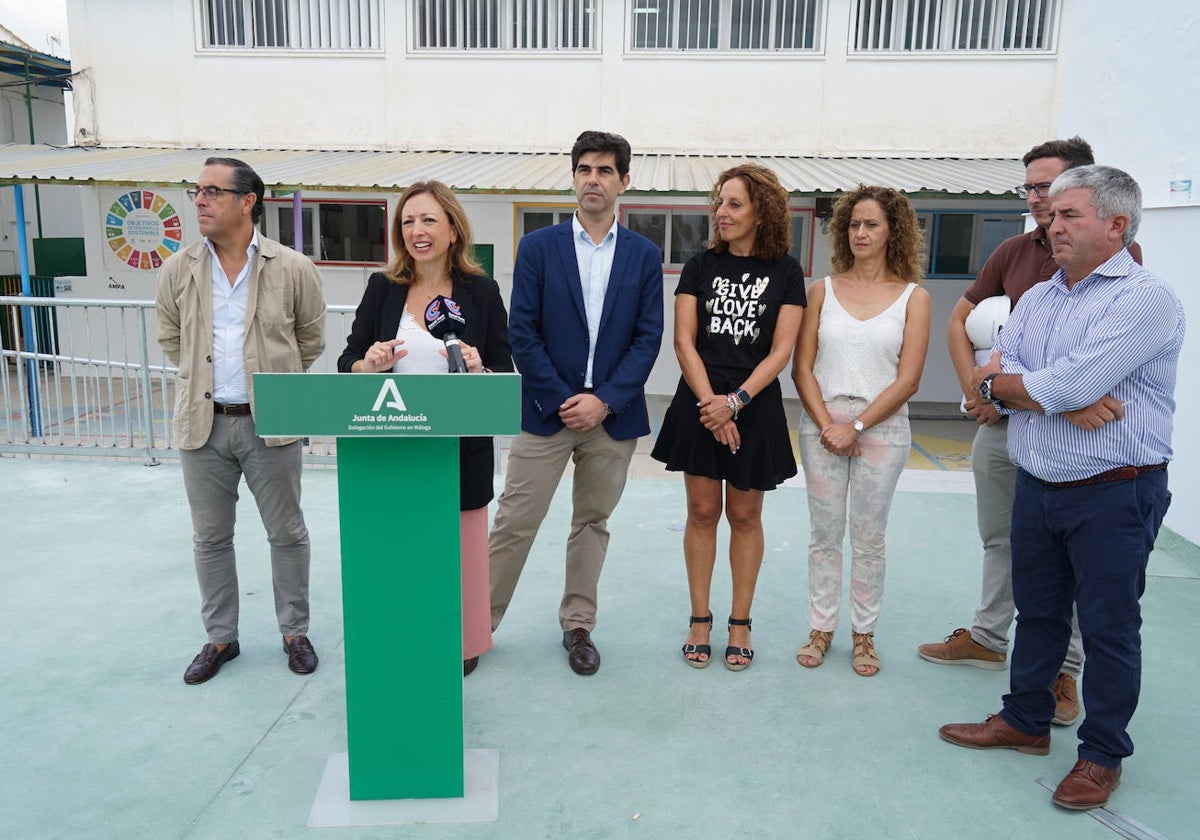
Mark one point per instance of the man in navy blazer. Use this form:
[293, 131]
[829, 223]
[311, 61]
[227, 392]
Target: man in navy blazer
[585, 325]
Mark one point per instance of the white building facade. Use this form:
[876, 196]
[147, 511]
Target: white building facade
[722, 79]
[348, 101]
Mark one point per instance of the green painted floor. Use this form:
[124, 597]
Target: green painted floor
[102, 739]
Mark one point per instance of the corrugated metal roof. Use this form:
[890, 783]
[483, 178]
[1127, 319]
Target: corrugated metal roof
[495, 172]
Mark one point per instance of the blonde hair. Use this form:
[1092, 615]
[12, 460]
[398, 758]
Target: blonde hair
[459, 259]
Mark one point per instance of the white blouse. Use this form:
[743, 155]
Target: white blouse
[857, 358]
[423, 355]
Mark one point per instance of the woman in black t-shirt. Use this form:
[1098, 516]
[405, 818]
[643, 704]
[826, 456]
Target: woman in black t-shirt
[738, 309]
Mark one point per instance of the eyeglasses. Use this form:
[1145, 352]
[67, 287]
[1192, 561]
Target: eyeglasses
[210, 193]
[1041, 190]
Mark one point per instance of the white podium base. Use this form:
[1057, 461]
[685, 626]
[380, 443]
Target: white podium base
[480, 802]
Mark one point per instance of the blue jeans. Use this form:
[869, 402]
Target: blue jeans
[1087, 544]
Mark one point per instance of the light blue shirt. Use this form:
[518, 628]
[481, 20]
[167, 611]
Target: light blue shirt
[229, 303]
[595, 264]
[1118, 332]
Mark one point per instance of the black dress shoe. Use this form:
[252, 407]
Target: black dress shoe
[469, 665]
[302, 659]
[581, 653]
[208, 661]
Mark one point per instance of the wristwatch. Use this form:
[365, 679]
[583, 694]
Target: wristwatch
[742, 396]
[985, 388]
[859, 427]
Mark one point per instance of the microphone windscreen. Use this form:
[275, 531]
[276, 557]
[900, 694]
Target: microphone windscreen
[444, 317]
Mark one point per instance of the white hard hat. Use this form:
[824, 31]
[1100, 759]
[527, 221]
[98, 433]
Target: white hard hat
[986, 319]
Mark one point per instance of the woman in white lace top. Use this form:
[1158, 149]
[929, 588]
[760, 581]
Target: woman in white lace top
[857, 363]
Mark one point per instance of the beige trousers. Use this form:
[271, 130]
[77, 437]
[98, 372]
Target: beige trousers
[535, 467]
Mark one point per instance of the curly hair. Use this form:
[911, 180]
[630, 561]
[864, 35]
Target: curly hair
[905, 245]
[460, 258]
[773, 238]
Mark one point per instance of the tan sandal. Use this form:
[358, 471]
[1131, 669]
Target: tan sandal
[818, 643]
[864, 654]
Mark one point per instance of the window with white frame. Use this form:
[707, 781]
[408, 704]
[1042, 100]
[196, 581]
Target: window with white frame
[730, 25]
[352, 232]
[679, 232]
[531, 217]
[953, 25]
[959, 242]
[332, 25]
[552, 25]
[682, 232]
[802, 231]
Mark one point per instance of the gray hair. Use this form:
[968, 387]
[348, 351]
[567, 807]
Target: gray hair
[1114, 193]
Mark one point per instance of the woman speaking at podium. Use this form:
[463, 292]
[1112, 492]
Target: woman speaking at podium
[432, 257]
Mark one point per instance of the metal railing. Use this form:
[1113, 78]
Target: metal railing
[87, 377]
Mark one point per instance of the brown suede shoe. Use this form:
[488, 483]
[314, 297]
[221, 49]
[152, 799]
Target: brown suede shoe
[1066, 700]
[994, 734]
[1087, 786]
[960, 649]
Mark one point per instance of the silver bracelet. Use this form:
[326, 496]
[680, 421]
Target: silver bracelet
[734, 405]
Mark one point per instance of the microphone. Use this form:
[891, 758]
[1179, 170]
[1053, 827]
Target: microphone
[445, 320]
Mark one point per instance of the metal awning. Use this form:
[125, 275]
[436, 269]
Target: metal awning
[501, 172]
[42, 69]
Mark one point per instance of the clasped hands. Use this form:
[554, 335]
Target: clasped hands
[582, 412]
[716, 415]
[841, 439]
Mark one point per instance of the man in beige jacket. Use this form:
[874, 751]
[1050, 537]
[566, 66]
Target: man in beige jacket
[229, 306]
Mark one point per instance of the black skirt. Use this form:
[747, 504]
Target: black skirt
[765, 458]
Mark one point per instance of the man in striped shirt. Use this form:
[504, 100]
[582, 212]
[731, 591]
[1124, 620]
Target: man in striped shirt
[1085, 369]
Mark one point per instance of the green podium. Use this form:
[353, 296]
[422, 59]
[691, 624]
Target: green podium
[397, 456]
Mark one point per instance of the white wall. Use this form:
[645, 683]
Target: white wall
[146, 83]
[59, 205]
[1165, 235]
[1130, 86]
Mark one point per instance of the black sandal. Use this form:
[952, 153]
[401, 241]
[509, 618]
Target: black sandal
[746, 653]
[698, 649]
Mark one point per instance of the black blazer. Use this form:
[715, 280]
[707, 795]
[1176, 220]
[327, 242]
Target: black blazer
[378, 318]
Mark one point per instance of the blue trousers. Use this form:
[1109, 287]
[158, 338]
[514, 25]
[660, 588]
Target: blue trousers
[1090, 545]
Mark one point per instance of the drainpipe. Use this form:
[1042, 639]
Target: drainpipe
[31, 365]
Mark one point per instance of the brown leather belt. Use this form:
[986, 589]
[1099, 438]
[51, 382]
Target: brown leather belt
[1115, 474]
[232, 409]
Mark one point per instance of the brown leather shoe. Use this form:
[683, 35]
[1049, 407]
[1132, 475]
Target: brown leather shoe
[994, 734]
[1087, 786]
[469, 665]
[581, 653]
[1066, 700]
[208, 661]
[302, 659]
[960, 649]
